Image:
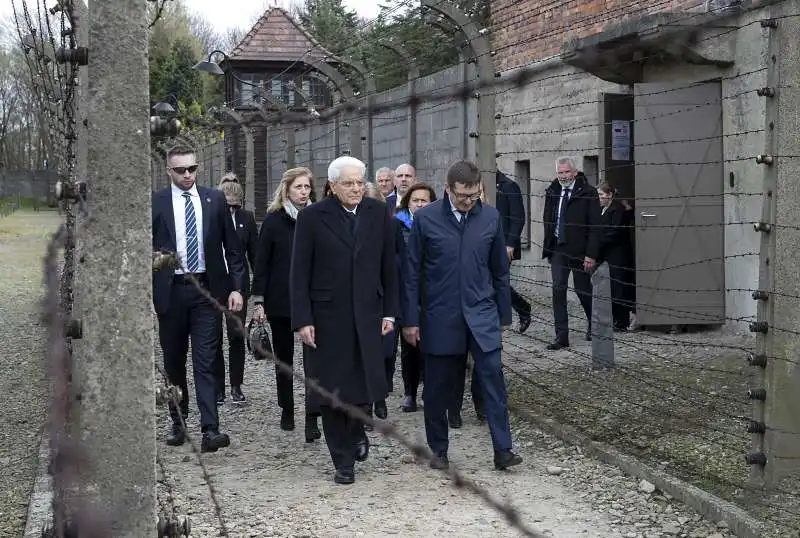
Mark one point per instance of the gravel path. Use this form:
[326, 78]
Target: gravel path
[270, 483]
[23, 386]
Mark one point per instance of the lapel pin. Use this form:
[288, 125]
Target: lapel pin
[208, 200]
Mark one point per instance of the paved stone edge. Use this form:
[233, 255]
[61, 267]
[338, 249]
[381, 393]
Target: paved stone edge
[40, 503]
[709, 506]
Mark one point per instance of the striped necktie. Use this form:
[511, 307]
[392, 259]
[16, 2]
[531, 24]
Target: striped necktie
[192, 249]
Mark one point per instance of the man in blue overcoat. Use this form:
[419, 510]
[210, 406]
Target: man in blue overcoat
[456, 300]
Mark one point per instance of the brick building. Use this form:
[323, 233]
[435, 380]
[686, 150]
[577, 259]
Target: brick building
[527, 31]
[637, 92]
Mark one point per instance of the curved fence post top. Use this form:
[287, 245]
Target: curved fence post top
[475, 37]
[413, 67]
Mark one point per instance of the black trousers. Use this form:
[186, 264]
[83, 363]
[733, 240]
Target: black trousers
[390, 358]
[236, 351]
[560, 268]
[342, 432]
[191, 315]
[475, 390]
[283, 346]
[520, 305]
[412, 368]
[623, 293]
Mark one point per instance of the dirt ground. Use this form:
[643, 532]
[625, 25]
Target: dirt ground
[23, 388]
[271, 483]
[676, 401]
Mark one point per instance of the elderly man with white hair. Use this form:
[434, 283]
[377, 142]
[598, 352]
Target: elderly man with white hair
[344, 298]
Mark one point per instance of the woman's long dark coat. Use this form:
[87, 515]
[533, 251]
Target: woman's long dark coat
[343, 283]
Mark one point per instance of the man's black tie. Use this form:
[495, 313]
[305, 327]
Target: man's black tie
[351, 221]
[463, 220]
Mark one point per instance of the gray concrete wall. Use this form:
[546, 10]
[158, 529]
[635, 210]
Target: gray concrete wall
[558, 113]
[441, 129]
[743, 111]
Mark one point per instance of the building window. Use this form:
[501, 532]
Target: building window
[280, 90]
[245, 93]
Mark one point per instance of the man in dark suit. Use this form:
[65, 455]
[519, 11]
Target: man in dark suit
[344, 298]
[571, 243]
[456, 301]
[247, 230]
[512, 215]
[194, 222]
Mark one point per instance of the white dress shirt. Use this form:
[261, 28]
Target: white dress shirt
[179, 210]
[456, 212]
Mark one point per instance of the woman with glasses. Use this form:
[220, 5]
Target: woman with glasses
[246, 228]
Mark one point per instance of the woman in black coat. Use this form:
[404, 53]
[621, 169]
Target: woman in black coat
[271, 285]
[616, 249]
[416, 197]
[246, 228]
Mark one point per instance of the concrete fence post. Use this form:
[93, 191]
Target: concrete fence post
[480, 50]
[114, 369]
[775, 427]
[602, 325]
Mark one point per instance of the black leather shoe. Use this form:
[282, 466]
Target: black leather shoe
[555, 346]
[440, 461]
[312, 429]
[237, 396]
[220, 398]
[505, 459]
[362, 449]
[380, 410]
[524, 322]
[344, 476]
[455, 420]
[287, 420]
[176, 435]
[409, 404]
[213, 441]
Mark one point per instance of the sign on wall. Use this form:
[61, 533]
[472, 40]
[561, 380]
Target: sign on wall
[620, 140]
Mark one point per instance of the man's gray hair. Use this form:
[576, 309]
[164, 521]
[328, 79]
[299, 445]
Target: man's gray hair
[382, 171]
[566, 159]
[335, 168]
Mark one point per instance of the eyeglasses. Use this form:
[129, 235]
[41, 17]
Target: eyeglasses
[464, 197]
[180, 170]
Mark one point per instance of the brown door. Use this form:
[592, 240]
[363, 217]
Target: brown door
[680, 270]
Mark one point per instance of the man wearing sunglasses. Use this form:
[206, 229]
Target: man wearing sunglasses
[194, 223]
[456, 301]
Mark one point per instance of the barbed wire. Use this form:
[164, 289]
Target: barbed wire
[165, 259]
[357, 111]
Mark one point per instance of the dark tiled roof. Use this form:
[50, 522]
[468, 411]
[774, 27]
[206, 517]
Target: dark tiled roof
[277, 37]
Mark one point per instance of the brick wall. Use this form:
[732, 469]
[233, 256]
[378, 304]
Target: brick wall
[525, 31]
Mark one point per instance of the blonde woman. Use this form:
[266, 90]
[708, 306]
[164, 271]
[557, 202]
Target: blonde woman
[271, 284]
[247, 230]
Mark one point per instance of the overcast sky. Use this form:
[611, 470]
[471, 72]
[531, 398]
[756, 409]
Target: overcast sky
[230, 13]
[225, 14]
